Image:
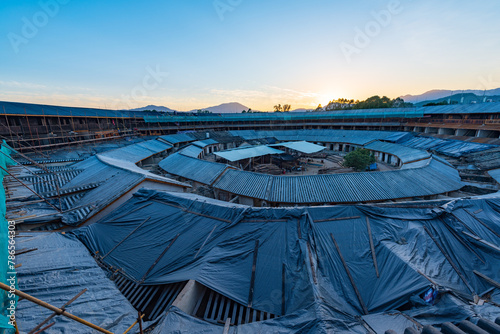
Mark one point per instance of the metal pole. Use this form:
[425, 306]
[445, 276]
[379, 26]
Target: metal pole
[53, 308]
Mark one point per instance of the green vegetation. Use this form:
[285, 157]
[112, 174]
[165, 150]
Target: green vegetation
[359, 159]
[284, 108]
[442, 103]
[373, 102]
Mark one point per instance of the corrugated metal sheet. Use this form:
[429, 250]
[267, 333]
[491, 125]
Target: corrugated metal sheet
[434, 178]
[202, 171]
[301, 146]
[356, 137]
[137, 152]
[205, 143]
[495, 173]
[405, 154]
[16, 108]
[94, 172]
[98, 198]
[177, 138]
[191, 151]
[44, 182]
[478, 108]
[247, 152]
[248, 184]
[155, 145]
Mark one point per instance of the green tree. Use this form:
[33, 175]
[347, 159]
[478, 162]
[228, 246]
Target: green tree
[359, 159]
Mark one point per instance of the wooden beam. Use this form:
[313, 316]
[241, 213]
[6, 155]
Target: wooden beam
[487, 279]
[335, 219]
[459, 273]
[252, 279]
[372, 247]
[128, 235]
[159, 258]
[365, 310]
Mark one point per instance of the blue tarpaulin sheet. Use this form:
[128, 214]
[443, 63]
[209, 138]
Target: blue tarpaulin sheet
[297, 256]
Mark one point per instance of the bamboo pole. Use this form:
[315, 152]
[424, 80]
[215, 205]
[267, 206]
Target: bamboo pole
[53, 308]
[132, 326]
[37, 327]
[34, 192]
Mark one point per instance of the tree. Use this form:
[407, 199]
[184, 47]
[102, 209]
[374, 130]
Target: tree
[359, 159]
[278, 108]
[286, 107]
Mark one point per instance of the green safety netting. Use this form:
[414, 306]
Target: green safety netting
[5, 301]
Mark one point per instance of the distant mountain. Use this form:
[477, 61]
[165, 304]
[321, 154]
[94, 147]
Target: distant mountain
[442, 93]
[152, 107]
[232, 107]
[466, 98]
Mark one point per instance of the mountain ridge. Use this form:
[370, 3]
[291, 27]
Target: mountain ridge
[435, 94]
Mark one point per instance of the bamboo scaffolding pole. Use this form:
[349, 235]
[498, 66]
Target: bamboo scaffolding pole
[37, 327]
[132, 326]
[34, 192]
[53, 308]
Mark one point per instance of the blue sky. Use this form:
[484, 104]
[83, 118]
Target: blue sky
[194, 54]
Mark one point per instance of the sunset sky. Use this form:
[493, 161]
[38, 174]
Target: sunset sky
[193, 54]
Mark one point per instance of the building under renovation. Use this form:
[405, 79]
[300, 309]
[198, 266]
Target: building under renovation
[251, 224]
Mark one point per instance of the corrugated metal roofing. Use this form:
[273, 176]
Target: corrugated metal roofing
[94, 171]
[177, 138]
[204, 143]
[434, 178]
[356, 137]
[301, 146]
[384, 113]
[478, 108]
[155, 145]
[191, 151]
[137, 152]
[244, 183]
[202, 171]
[495, 173]
[114, 172]
[405, 154]
[16, 108]
[247, 152]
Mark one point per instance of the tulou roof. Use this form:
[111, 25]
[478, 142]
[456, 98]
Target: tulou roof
[202, 171]
[433, 178]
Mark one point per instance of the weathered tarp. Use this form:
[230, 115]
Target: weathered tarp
[297, 257]
[449, 147]
[58, 270]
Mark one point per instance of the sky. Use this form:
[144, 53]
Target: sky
[194, 54]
